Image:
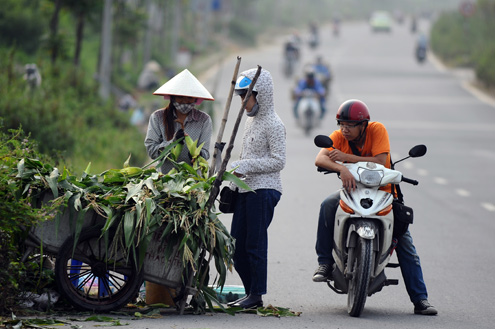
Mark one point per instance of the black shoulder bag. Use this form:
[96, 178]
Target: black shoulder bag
[228, 198]
[403, 215]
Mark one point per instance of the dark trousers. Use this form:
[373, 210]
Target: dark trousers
[252, 216]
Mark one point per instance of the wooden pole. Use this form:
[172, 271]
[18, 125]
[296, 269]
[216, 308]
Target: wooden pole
[218, 180]
[218, 146]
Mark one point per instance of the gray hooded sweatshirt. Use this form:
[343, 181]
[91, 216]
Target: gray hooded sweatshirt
[263, 144]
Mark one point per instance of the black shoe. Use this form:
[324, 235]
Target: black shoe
[322, 273]
[252, 301]
[237, 301]
[424, 308]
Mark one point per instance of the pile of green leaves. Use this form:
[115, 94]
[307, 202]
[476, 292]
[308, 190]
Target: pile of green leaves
[139, 201]
[16, 213]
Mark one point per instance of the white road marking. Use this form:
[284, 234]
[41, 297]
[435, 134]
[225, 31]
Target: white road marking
[488, 206]
[422, 172]
[440, 180]
[462, 192]
[482, 127]
[487, 154]
[412, 99]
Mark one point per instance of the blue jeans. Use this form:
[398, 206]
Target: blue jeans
[252, 216]
[406, 252]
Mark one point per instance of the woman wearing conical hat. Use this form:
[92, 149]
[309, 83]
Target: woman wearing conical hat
[179, 118]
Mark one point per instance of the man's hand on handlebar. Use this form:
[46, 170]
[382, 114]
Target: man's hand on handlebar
[348, 181]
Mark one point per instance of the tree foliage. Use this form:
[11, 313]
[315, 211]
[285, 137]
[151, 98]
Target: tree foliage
[66, 116]
[16, 214]
[468, 41]
[20, 25]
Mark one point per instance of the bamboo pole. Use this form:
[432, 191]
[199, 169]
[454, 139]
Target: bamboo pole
[218, 144]
[218, 180]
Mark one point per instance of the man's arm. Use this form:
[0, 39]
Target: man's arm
[327, 159]
[337, 155]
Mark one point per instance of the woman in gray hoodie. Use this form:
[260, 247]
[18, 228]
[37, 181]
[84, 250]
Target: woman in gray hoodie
[261, 160]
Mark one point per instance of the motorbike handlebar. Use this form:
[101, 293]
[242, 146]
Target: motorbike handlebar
[410, 181]
[326, 171]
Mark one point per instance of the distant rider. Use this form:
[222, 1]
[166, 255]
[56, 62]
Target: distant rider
[292, 47]
[323, 73]
[422, 41]
[309, 82]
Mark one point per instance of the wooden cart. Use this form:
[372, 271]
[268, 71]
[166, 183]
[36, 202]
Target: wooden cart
[93, 276]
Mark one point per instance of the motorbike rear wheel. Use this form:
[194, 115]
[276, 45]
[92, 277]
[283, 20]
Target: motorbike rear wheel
[91, 278]
[359, 283]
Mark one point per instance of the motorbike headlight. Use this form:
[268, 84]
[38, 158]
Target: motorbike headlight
[370, 177]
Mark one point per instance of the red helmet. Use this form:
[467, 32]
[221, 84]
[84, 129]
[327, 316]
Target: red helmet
[353, 110]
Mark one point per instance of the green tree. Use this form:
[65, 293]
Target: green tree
[20, 25]
[54, 40]
[81, 9]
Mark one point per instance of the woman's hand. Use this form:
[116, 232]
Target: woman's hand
[179, 134]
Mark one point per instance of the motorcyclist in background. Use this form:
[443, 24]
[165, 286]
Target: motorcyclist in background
[314, 38]
[336, 25]
[422, 41]
[309, 82]
[292, 46]
[421, 47]
[414, 24]
[323, 73]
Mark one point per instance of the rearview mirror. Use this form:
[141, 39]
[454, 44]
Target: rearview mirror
[323, 141]
[417, 151]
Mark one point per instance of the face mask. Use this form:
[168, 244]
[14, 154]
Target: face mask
[184, 108]
[254, 110]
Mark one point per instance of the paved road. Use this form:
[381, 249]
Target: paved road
[455, 211]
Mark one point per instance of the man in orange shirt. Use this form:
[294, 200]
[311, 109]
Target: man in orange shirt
[361, 140]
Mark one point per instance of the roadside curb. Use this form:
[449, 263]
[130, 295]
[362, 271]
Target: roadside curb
[466, 77]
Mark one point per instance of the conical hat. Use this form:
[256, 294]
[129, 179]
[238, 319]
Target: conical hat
[184, 84]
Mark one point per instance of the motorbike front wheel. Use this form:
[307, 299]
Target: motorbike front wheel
[92, 277]
[358, 285]
[309, 121]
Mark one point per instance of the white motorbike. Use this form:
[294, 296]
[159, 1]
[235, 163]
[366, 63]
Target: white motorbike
[363, 232]
[308, 110]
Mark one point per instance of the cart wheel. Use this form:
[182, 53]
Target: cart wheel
[92, 281]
